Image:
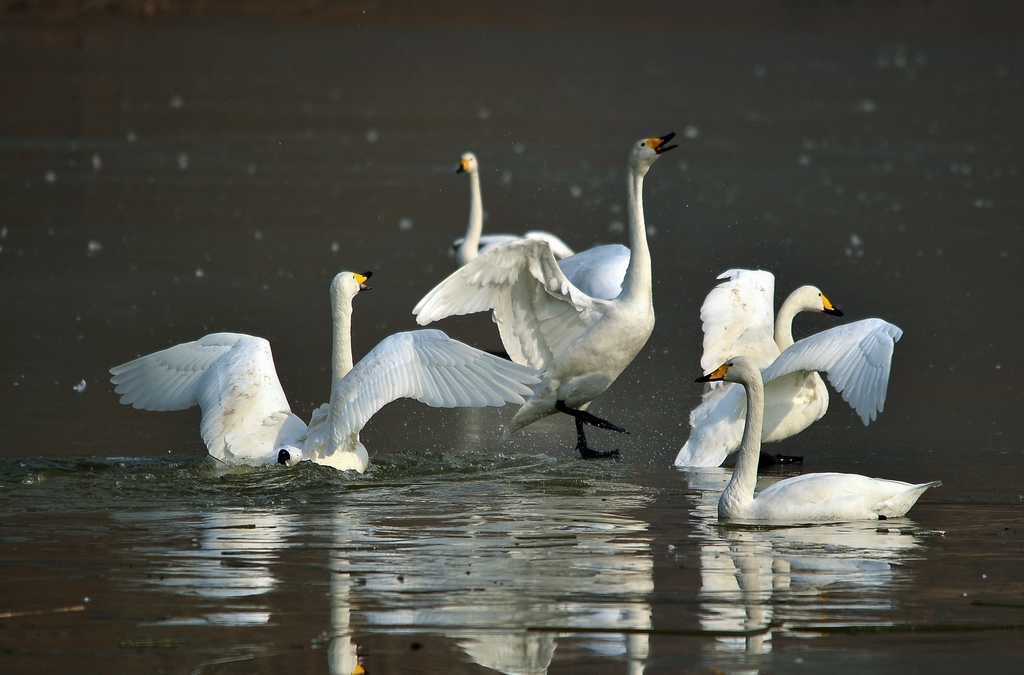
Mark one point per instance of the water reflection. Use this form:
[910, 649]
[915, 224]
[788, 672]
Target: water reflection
[756, 582]
[506, 579]
[223, 558]
[504, 570]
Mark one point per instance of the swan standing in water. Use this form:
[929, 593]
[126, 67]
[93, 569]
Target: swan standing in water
[580, 342]
[246, 417]
[810, 498]
[737, 316]
[468, 247]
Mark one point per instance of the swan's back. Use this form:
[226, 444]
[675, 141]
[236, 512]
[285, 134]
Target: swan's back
[597, 272]
[832, 497]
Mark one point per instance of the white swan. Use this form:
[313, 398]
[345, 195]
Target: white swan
[737, 318]
[468, 247]
[246, 417]
[581, 342]
[810, 498]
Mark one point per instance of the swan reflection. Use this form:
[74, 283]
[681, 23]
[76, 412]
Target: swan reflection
[226, 565]
[505, 575]
[756, 582]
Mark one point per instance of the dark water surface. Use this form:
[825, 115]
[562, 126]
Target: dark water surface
[160, 181]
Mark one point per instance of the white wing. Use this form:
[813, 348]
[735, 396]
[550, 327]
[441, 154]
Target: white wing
[538, 311]
[233, 380]
[856, 356]
[738, 318]
[716, 427]
[599, 271]
[559, 248]
[430, 367]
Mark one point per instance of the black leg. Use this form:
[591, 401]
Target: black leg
[582, 417]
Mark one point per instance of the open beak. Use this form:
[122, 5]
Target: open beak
[660, 143]
[361, 278]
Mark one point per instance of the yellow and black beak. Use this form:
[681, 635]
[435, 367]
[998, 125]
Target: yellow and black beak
[463, 166]
[715, 375]
[827, 307]
[659, 144]
[362, 278]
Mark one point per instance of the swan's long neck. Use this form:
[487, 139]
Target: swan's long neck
[637, 281]
[740, 490]
[341, 354]
[475, 227]
[784, 323]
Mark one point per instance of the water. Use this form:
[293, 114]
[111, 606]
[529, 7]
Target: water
[167, 179]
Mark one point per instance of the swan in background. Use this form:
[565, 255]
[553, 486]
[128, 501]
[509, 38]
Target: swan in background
[468, 247]
[737, 316]
[810, 498]
[246, 417]
[580, 342]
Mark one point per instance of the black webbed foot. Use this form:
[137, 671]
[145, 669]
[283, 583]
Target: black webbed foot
[283, 457]
[587, 453]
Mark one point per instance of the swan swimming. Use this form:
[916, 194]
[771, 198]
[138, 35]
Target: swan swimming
[246, 417]
[737, 317]
[580, 342]
[810, 498]
[468, 247]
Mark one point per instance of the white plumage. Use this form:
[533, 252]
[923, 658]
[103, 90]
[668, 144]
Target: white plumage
[737, 318]
[810, 498]
[246, 418]
[581, 341]
[475, 242]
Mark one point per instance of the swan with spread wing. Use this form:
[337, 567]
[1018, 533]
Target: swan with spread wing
[737, 317]
[246, 418]
[580, 342]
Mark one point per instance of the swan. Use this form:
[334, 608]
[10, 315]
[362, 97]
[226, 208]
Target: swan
[581, 342]
[810, 498]
[246, 418]
[468, 247]
[737, 317]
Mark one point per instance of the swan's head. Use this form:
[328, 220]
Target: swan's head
[811, 299]
[348, 284]
[646, 150]
[467, 164]
[737, 369]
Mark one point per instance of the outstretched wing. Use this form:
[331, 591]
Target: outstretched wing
[538, 311]
[231, 377]
[856, 357]
[738, 319]
[430, 367]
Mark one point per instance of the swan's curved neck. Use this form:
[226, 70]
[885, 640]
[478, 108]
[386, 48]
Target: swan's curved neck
[638, 273]
[341, 354]
[740, 490]
[475, 227]
[784, 323]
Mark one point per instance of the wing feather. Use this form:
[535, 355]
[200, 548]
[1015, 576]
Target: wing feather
[231, 377]
[537, 309]
[430, 367]
[738, 319]
[857, 358]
